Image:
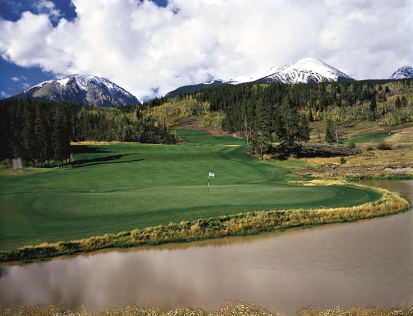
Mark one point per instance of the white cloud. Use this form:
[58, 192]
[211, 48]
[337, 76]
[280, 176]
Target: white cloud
[143, 47]
[4, 94]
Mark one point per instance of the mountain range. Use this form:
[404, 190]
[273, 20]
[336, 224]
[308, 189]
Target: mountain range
[307, 70]
[83, 89]
[93, 90]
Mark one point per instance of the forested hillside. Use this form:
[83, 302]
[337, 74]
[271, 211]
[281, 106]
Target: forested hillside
[272, 118]
[40, 132]
[268, 113]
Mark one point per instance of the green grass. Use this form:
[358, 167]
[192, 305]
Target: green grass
[121, 187]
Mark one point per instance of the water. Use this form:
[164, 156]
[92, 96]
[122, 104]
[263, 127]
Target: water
[368, 262]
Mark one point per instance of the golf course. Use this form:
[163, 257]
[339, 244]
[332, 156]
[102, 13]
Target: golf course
[120, 187]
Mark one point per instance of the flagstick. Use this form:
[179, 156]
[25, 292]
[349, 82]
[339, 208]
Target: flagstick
[208, 184]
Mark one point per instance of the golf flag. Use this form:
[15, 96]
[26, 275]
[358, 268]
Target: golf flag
[211, 174]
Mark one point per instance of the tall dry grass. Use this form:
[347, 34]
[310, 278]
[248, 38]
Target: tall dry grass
[230, 309]
[234, 225]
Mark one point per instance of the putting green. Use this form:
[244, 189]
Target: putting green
[126, 186]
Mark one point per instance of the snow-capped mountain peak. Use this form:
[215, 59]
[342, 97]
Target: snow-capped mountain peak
[404, 72]
[306, 70]
[84, 89]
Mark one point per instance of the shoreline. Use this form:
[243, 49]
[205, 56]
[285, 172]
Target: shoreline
[242, 224]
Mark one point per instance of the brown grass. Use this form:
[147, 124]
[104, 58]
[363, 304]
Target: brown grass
[230, 309]
[401, 154]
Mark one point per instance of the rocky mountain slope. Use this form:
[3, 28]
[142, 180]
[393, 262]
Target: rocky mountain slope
[87, 90]
[404, 72]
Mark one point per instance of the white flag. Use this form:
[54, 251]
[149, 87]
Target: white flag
[211, 174]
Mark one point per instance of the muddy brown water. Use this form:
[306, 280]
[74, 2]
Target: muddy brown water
[368, 262]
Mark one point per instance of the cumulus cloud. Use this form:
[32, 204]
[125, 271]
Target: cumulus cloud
[149, 49]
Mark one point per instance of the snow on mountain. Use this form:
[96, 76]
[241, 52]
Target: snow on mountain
[87, 90]
[307, 70]
[403, 73]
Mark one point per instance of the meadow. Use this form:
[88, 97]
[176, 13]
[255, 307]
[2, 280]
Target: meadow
[119, 187]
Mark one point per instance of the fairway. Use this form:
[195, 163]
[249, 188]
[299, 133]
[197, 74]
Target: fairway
[370, 137]
[121, 187]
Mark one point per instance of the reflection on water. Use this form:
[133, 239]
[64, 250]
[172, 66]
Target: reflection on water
[364, 263]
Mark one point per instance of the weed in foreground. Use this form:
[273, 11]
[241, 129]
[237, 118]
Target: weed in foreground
[230, 309]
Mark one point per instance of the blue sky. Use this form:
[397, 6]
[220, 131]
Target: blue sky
[153, 47]
[14, 78]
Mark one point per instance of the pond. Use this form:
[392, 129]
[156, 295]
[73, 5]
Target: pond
[368, 262]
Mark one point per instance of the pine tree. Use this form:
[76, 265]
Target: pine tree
[262, 127]
[398, 103]
[373, 104]
[61, 136]
[6, 139]
[40, 132]
[329, 137]
[290, 127]
[404, 101]
[29, 148]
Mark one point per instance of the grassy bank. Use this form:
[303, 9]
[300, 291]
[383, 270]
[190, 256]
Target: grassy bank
[232, 308]
[123, 187]
[215, 227]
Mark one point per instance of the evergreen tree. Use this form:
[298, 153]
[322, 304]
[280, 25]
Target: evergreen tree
[398, 103]
[6, 139]
[310, 115]
[29, 147]
[290, 128]
[40, 133]
[61, 136]
[373, 104]
[262, 127]
[404, 101]
[329, 137]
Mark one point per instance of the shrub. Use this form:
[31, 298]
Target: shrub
[351, 145]
[384, 146]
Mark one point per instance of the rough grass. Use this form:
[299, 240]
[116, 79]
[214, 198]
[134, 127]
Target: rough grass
[396, 163]
[230, 309]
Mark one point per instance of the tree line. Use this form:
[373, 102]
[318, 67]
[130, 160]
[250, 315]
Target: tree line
[265, 113]
[40, 132]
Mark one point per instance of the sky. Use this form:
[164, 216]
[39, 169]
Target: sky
[152, 47]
